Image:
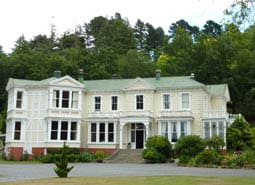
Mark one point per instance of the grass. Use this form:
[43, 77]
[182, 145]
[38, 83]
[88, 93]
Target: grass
[2, 161]
[158, 180]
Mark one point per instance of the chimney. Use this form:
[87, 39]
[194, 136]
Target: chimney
[158, 71]
[81, 77]
[57, 74]
[192, 76]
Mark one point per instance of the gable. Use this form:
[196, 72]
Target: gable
[66, 81]
[139, 84]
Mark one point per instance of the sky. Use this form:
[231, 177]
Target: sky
[34, 17]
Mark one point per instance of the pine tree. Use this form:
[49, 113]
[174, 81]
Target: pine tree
[62, 168]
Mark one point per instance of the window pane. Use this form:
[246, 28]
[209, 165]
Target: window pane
[97, 103]
[114, 102]
[17, 130]
[221, 129]
[139, 102]
[207, 129]
[93, 132]
[101, 132]
[54, 130]
[55, 102]
[166, 101]
[132, 136]
[185, 100]
[73, 131]
[174, 131]
[64, 130]
[214, 128]
[110, 132]
[183, 128]
[19, 99]
[164, 129]
[75, 99]
[65, 99]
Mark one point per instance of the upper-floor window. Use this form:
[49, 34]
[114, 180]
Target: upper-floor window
[166, 101]
[139, 102]
[97, 103]
[19, 99]
[17, 130]
[185, 101]
[114, 102]
[65, 99]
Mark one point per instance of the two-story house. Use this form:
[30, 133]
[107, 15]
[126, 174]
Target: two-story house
[110, 114]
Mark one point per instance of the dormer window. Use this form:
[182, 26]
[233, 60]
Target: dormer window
[19, 99]
[65, 99]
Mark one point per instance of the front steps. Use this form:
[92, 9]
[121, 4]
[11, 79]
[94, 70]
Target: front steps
[126, 156]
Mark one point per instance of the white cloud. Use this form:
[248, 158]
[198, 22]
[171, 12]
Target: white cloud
[30, 17]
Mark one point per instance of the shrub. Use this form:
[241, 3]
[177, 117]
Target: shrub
[49, 158]
[239, 135]
[208, 157]
[62, 168]
[152, 155]
[86, 157]
[99, 155]
[161, 144]
[189, 146]
[216, 143]
[184, 159]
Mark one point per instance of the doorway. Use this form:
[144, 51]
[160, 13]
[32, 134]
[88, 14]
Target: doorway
[137, 135]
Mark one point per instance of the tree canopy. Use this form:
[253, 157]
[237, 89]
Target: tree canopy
[216, 53]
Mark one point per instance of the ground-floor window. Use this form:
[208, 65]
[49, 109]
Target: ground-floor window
[66, 130]
[17, 130]
[214, 128]
[174, 129]
[102, 132]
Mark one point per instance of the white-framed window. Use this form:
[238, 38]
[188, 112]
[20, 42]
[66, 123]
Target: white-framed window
[139, 102]
[19, 99]
[185, 101]
[166, 101]
[63, 130]
[174, 129]
[97, 103]
[17, 130]
[214, 128]
[102, 132]
[114, 103]
[65, 99]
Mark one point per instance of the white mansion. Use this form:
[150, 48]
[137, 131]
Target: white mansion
[110, 114]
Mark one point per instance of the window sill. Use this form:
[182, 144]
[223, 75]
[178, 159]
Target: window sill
[97, 143]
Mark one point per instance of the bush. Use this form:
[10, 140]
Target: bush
[216, 143]
[239, 135]
[86, 157]
[189, 146]
[100, 155]
[161, 144]
[208, 157]
[62, 168]
[153, 156]
[184, 159]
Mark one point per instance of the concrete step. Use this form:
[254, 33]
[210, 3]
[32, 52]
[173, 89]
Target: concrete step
[126, 156]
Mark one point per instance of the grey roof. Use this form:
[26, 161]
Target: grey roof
[218, 89]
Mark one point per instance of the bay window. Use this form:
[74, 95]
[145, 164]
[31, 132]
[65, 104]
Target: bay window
[65, 99]
[214, 128]
[19, 98]
[63, 130]
[17, 130]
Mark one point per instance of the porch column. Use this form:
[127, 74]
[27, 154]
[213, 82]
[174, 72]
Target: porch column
[147, 129]
[121, 134]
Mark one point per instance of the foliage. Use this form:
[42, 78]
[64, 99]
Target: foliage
[239, 135]
[152, 155]
[208, 157]
[189, 146]
[216, 143]
[86, 157]
[100, 155]
[162, 145]
[62, 168]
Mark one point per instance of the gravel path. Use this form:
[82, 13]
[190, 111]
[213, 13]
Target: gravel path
[11, 172]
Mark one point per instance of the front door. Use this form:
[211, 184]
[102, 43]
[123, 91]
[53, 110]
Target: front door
[139, 139]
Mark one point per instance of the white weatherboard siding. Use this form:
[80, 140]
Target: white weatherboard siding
[190, 104]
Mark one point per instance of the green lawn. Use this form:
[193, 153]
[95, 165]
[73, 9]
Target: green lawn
[159, 180]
